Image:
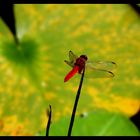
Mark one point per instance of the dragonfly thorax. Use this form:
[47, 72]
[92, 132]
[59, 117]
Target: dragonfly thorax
[81, 62]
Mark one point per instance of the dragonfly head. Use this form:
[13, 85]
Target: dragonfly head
[84, 56]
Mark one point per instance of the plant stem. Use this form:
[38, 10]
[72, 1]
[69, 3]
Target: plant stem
[49, 121]
[75, 104]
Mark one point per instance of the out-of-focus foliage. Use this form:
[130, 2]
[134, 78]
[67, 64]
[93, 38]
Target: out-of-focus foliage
[32, 73]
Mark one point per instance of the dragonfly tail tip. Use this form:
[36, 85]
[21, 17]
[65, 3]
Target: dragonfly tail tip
[65, 80]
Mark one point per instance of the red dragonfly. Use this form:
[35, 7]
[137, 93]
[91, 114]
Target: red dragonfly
[93, 69]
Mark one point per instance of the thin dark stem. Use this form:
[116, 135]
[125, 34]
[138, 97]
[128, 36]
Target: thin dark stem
[75, 104]
[49, 113]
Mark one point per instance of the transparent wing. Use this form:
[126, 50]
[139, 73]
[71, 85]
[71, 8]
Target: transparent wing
[99, 69]
[72, 56]
[102, 65]
[97, 73]
[72, 59]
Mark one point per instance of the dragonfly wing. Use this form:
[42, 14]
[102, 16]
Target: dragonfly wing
[102, 65]
[92, 72]
[72, 58]
[69, 63]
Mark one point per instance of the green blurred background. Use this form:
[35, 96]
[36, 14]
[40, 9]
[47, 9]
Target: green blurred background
[32, 74]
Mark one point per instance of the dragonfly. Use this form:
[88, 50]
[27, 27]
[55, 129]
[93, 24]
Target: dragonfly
[93, 69]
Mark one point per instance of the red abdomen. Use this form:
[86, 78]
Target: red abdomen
[71, 73]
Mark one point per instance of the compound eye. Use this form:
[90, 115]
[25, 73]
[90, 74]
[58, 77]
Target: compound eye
[84, 56]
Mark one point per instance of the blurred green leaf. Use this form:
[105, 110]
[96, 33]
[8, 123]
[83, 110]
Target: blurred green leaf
[97, 123]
